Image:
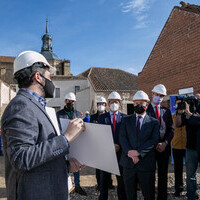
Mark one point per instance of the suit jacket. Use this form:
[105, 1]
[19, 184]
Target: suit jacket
[63, 114]
[94, 117]
[166, 123]
[144, 143]
[35, 166]
[106, 119]
[194, 121]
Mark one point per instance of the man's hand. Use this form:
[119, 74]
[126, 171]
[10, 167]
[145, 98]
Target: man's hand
[196, 114]
[135, 160]
[74, 129]
[117, 147]
[187, 109]
[161, 146]
[74, 165]
[133, 153]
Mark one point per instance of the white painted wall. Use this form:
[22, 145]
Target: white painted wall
[83, 100]
[65, 87]
[5, 93]
[12, 94]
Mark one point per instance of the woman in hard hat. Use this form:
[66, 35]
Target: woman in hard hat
[139, 135]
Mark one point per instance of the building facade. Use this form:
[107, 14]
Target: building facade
[175, 58]
[103, 81]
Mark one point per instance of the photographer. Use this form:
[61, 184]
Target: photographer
[183, 117]
[178, 150]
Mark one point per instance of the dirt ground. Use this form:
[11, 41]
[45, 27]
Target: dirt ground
[88, 182]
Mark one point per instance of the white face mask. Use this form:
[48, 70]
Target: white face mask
[101, 108]
[114, 107]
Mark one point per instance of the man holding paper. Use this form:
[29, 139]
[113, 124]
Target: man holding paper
[35, 165]
[114, 119]
[139, 136]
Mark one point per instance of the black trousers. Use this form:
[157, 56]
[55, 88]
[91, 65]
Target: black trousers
[146, 181]
[98, 178]
[104, 183]
[178, 155]
[162, 166]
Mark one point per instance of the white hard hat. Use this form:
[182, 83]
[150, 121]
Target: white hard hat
[87, 112]
[140, 95]
[160, 89]
[70, 96]
[101, 100]
[28, 58]
[114, 95]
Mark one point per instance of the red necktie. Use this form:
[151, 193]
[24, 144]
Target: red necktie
[114, 122]
[138, 125]
[157, 113]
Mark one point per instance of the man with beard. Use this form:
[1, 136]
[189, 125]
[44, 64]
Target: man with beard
[35, 164]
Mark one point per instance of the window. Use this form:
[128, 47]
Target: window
[57, 92]
[77, 88]
[3, 71]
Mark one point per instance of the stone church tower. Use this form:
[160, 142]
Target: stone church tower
[63, 66]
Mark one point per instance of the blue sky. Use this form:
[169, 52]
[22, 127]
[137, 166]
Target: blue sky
[100, 33]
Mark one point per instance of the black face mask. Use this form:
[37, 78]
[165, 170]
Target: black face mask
[70, 106]
[48, 88]
[139, 109]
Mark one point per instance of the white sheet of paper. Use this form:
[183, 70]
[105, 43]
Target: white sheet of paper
[52, 115]
[94, 147]
[70, 185]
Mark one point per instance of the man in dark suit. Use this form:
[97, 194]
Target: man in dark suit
[35, 165]
[138, 137]
[114, 119]
[68, 112]
[166, 134]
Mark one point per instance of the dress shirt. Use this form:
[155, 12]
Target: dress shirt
[37, 97]
[112, 116]
[141, 119]
[155, 106]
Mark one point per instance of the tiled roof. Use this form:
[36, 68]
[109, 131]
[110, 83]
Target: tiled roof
[109, 79]
[64, 78]
[7, 59]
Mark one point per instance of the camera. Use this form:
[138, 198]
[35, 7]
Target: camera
[191, 100]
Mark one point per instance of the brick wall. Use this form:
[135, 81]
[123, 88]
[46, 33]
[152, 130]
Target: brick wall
[175, 58]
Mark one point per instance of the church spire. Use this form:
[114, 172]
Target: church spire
[46, 40]
[46, 49]
[46, 26]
